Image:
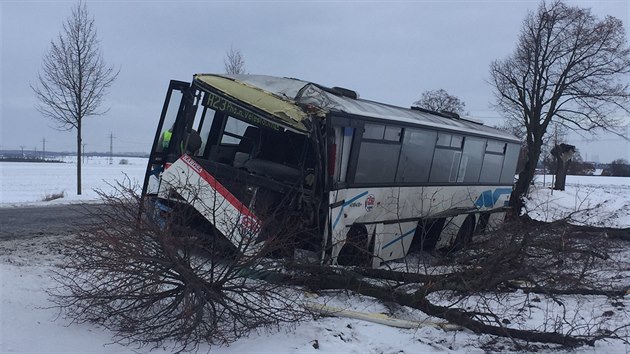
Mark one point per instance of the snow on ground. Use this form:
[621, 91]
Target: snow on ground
[30, 183]
[587, 200]
[28, 324]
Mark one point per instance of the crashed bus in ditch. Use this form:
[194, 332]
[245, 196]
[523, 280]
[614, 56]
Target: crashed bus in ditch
[359, 182]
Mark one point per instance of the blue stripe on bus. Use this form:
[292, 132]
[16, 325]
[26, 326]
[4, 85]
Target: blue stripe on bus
[355, 198]
[399, 238]
[488, 198]
[345, 205]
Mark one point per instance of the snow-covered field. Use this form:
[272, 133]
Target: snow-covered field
[587, 200]
[27, 183]
[29, 325]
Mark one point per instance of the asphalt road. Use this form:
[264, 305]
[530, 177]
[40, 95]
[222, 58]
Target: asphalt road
[49, 220]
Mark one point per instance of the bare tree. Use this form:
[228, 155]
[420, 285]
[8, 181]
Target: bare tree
[170, 277]
[234, 62]
[568, 67]
[74, 77]
[441, 101]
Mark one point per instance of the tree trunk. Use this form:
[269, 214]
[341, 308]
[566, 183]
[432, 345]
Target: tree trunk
[562, 153]
[79, 153]
[561, 174]
[525, 177]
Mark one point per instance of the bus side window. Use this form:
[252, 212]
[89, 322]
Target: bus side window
[446, 159]
[378, 155]
[343, 142]
[492, 162]
[416, 156]
[509, 164]
[472, 158]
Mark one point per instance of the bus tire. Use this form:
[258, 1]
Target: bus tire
[465, 234]
[482, 224]
[427, 234]
[355, 250]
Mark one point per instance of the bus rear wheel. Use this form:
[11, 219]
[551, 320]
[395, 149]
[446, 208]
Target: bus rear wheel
[465, 234]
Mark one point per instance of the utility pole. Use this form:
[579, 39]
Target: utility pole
[111, 148]
[22, 147]
[44, 149]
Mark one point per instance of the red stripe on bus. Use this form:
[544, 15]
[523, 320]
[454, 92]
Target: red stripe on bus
[222, 191]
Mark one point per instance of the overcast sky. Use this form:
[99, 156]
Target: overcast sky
[388, 51]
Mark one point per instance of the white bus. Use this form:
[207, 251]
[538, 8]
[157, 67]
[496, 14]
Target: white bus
[355, 181]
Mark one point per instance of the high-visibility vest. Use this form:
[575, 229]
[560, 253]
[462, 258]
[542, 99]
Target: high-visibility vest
[166, 138]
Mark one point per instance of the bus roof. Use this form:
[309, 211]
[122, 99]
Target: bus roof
[283, 97]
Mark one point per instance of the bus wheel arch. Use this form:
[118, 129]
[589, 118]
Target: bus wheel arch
[355, 250]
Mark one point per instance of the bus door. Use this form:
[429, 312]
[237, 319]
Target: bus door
[170, 132]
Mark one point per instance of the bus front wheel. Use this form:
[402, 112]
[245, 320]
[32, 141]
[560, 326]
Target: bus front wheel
[355, 250]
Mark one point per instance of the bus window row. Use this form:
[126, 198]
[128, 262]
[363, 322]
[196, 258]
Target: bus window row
[395, 155]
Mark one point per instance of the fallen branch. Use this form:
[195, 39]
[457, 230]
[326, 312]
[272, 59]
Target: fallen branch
[418, 300]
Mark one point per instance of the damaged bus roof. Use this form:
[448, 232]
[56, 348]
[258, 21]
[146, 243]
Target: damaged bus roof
[283, 99]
